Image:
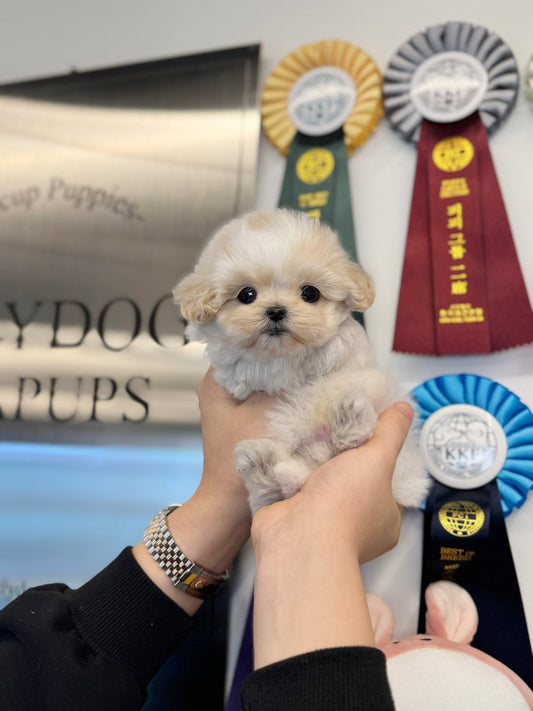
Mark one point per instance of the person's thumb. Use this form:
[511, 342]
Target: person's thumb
[393, 426]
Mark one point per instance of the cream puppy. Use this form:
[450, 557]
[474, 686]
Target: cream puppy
[272, 296]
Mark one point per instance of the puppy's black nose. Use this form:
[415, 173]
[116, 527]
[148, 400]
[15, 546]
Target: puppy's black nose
[276, 313]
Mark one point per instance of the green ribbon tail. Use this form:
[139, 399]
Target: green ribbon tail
[316, 182]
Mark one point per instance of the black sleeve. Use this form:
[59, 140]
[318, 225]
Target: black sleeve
[344, 679]
[91, 649]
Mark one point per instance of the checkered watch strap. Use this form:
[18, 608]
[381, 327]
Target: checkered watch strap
[184, 573]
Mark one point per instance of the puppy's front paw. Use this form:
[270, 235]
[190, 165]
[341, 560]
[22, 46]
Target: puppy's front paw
[352, 422]
[255, 460]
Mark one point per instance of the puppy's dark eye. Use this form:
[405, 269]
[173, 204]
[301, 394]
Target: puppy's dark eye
[247, 295]
[310, 293]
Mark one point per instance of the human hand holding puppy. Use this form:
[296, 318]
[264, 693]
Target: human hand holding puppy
[212, 526]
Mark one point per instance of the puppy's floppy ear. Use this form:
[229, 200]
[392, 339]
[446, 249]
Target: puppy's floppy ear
[361, 295]
[197, 298]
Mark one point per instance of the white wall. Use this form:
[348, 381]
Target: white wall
[40, 38]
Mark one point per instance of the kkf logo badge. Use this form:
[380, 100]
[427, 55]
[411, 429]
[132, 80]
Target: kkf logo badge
[461, 518]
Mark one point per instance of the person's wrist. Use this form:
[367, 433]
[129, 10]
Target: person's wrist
[298, 534]
[209, 530]
[213, 526]
[312, 577]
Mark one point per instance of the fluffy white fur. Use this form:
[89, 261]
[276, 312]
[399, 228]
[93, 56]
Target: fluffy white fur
[313, 352]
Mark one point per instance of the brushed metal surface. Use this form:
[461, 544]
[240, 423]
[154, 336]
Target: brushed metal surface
[111, 183]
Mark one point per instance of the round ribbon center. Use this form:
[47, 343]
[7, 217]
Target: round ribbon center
[448, 86]
[463, 446]
[321, 100]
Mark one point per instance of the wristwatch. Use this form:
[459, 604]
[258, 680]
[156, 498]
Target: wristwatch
[185, 574]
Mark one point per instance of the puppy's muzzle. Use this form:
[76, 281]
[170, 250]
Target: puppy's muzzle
[275, 321]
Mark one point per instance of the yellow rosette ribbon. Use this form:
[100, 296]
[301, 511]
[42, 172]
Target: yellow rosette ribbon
[367, 108]
[318, 105]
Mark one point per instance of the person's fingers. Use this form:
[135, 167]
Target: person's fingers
[209, 392]
[209, 389]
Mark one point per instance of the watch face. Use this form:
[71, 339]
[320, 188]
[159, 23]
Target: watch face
[448, 86]
[321, 100]
[463, 446]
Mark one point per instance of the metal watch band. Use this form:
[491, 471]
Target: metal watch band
[185, 574]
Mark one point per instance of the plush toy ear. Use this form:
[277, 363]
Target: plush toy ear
[451, 612]
[362, 289]
[197, 298]
[381, 618]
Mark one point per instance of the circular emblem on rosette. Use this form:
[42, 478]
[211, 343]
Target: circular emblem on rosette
[473, 430]
[320, 88]
[447, 73]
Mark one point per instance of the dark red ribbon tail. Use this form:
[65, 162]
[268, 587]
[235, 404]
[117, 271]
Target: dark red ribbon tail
[462, 290]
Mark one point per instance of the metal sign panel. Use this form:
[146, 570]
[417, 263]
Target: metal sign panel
[111, 182]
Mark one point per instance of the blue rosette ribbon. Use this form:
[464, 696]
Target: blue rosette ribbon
[476, 437]
[515, 478]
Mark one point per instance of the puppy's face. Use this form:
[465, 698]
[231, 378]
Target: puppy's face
[275, 282]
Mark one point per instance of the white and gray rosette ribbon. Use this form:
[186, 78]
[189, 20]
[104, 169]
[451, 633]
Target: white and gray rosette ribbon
[445, 74]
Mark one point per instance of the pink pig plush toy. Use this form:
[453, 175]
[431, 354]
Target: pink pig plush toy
[440, 671]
